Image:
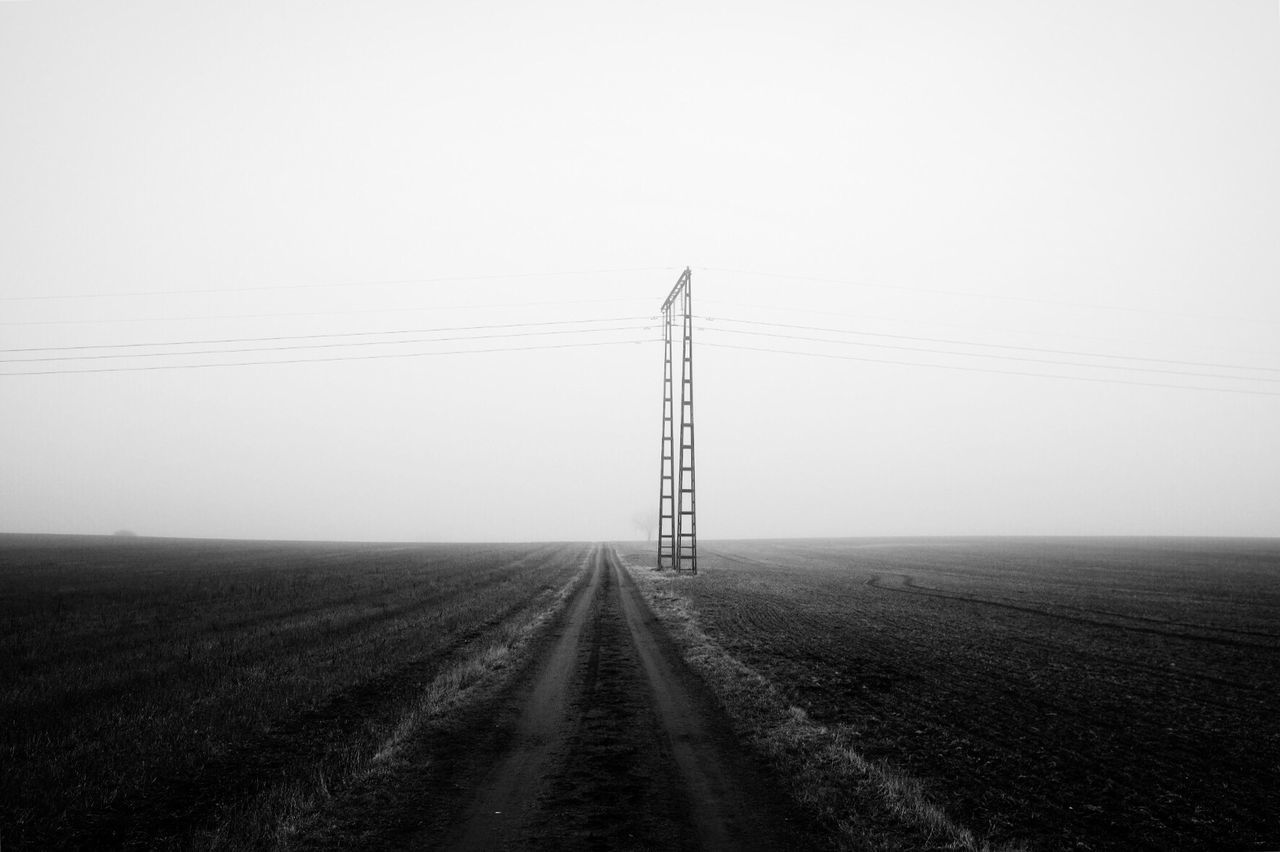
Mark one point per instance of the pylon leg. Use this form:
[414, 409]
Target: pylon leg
[686, 514]
[667, 542]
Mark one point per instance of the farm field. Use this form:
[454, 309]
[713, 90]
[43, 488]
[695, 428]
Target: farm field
[1044, 693]
[168, 693]
[905, 694]
[250, 695]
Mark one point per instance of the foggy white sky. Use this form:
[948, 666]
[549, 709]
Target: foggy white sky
[1090, 177]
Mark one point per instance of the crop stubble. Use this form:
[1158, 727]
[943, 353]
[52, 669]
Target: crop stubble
[1048, 693]
[197, 693]
[1085, 694]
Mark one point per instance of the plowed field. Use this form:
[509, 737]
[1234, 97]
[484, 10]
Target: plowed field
[1062, 694]
[171, 694]
[245, 695]
[888, 694]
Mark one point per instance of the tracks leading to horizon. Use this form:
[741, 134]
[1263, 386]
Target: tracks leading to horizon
[618, 746]
[605, 740]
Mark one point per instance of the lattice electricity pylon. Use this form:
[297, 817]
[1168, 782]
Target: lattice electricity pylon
[677, 519]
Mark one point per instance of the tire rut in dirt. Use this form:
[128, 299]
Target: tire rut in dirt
[414, 802]
[604, 740]
[733, 798]
[626, 751]
[614, 784]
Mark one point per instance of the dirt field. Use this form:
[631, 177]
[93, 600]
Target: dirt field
[1057, 694]
[906, 694]
[184, 693]
[606, 742]
[164, 694]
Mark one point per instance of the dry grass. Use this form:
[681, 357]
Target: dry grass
[455, 687]
[480, 668]
[865, 804]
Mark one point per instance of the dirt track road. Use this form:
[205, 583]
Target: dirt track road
[605, 741]
[618, 746]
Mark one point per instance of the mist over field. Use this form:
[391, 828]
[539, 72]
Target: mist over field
[958, 269]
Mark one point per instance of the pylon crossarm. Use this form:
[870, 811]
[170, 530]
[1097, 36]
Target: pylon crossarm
[681, 282]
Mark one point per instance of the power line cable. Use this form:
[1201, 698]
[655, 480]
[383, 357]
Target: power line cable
[953, 341]
[439, 330]
[996, 296]
[984, 370]
[381, 355]
[401, 282]
[295, 314]
[1025, 330]
[1023, 359]
[292, 348]
[576, 345]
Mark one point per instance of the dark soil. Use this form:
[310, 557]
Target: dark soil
[1056, 694]
[152, 692]
[605, 741]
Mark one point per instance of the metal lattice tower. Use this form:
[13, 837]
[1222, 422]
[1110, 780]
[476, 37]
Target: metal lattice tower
[677, 519]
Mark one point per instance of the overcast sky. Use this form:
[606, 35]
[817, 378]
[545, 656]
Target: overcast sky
[1045, 188]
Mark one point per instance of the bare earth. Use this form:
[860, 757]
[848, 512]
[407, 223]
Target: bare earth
[1048, 694]
[607, 740]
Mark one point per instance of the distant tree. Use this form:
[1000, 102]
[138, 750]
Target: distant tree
[645, 522]
[125, 533]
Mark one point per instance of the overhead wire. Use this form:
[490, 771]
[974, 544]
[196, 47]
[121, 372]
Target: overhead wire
[399, 282]
[296, 347]
[991, 346]
[387, 338]
[954, 353]
[1023, 330]
[210, 341]
[296, 314]
[633, 341]
[994, 296]
[1090, 379]
[330, 359]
